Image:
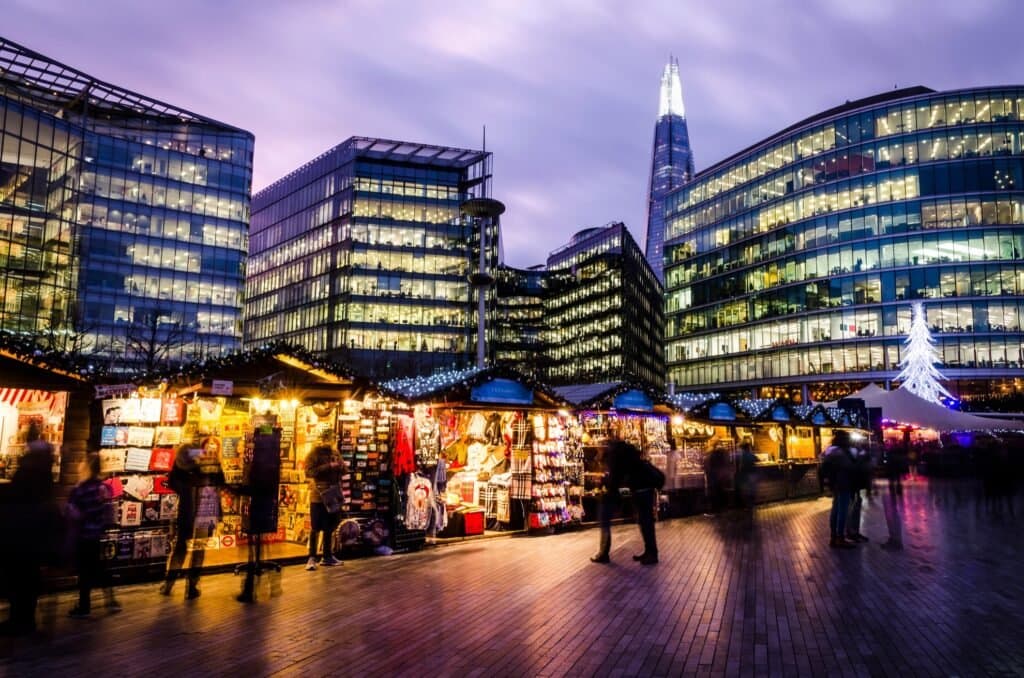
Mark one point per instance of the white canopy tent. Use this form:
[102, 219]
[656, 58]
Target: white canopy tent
[904, 407]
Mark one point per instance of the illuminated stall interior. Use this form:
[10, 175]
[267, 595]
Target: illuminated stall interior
[490, 451]
[276, 396]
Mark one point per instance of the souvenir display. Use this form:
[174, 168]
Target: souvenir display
[485, 469]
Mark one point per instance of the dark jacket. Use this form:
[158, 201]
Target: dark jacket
[838, 469]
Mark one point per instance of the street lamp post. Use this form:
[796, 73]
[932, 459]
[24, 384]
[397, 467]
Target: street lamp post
[484, 212]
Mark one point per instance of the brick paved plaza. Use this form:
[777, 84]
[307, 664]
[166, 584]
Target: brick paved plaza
[730, 597]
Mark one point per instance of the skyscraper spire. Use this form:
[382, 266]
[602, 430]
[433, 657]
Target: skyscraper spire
[671, 160]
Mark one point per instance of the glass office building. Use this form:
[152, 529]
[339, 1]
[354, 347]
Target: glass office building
[517, 326]
[671, 161]
[791, 266]
[603, 317]
[123, 220]
[362, 254]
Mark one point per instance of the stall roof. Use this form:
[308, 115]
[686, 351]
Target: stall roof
[458, 386]
[24, 365]
[904, 407]
[687, 401]
[265, 371]
[603, 396]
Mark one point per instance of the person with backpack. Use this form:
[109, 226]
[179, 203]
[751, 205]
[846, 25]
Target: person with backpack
[625, 467]
[837, 470]
[91, 511]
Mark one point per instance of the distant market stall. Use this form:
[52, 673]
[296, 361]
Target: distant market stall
[485, 450]
[787, 439]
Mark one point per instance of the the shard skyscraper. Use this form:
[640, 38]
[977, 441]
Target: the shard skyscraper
[671, 160]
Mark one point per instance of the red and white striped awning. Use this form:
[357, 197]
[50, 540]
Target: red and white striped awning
[17, 396]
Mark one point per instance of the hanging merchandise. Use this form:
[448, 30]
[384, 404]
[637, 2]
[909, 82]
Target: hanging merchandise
[419, 503]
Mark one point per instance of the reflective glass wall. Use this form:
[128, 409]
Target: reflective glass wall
[795, 262]
[123, 220]
[363, 254]
[39, 157]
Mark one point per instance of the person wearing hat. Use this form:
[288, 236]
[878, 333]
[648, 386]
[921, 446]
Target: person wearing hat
[324, 467]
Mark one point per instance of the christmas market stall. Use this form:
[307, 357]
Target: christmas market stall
[786, 440]
[485, 450]
[41, 394]
[634, 412]
[276, 403]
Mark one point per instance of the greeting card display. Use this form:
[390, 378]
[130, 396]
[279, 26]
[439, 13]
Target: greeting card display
[139, 487]
[167, 436]
[161, 459]
[149, 410]
[108, 436]
[168, 506]
[137, 459]
[140, 436]
[131, 514]
[111, 461]
[172, 412]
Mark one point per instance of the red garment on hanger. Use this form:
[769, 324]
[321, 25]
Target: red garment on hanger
[404, 458]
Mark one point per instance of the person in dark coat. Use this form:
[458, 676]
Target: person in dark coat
[91, 511]
[32, 526]
[746, 467]
[837, 468]
[624, 467]
[198, 512]
[716, 472]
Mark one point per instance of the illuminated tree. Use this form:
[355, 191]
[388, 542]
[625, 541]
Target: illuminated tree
[919, 374]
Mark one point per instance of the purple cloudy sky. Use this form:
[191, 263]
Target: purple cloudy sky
[568, 89]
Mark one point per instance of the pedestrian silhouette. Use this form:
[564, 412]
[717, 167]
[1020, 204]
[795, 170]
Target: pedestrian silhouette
[837, 470]
[90, 512]
[32, 532]
[198, 513]
[626, 468]
[717, 473]
[746, 480]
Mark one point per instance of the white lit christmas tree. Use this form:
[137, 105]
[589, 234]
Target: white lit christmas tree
[919, 375]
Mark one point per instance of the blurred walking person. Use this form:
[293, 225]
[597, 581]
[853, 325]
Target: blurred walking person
[860, 481]
[90, 512]
[625, 467]
[837, 470]
[198, 513]
[32, 527]
[717, 473]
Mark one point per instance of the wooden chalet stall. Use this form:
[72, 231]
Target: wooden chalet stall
[278, 398]
[488, 450]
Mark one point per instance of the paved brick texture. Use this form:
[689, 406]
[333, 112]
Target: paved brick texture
[733, 595]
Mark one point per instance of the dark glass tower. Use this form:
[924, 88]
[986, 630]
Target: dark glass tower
[671, 161]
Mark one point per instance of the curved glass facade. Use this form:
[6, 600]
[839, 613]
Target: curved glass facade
[794, 262]
[123, 221]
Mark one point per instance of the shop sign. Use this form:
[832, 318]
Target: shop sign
[780, 413]
[502, 391]
[722, 411]
[633, 400]
[108, 390]
[222, 387]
